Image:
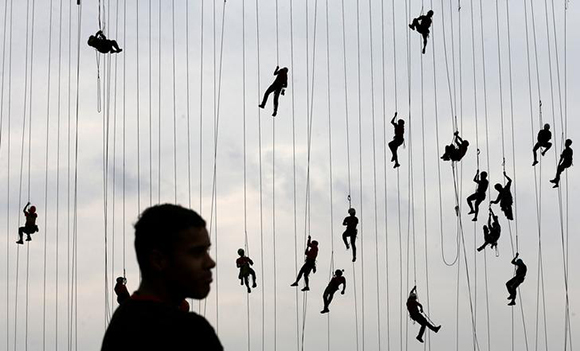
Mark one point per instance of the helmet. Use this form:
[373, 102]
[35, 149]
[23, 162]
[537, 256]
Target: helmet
[241, 252]
[547, 126]
[568, 142]
[430, 13]
[338, 272]
[121, 280]
[351, 211]
[413, 295]
[519, 260]
[314, 243]
[32, 209]
[483, 174]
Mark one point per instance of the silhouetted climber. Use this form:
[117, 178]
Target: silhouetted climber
[544, 137]
[350, 222]
[243, 263]
[455, 153]
[105, 46]
[172, 248]
[565, 162]
[504, 198]
[309, 263]
[121, 290]
[398, 139]
[277, 88]
[479, 195]
[422, 24]
[333, 287]
[416, 312]
[30, 226]
[513, 284]
[491, 231]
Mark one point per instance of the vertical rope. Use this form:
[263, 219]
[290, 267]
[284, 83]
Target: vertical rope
[187, 103]
[174, 100]
[150, 99]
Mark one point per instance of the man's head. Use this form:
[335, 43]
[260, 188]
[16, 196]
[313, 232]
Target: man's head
[338, 273]
[172, 247]
[498, 187]
[430, 13]
[401, 122]
[484, 175]
[120, 280]
[32, 209]
[351, 211]
[568, 142]
[241, 252]
[546, 126]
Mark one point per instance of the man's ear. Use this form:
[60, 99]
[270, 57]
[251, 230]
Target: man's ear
[158, 261]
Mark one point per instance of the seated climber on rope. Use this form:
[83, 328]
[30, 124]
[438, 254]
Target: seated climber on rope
[105, 46]
[565, 162]
[544, 137]
[333, 287]
[479, 195]
[416, 312]
[309, 265]
[277, 87]
[504, 198]
[243, 263]
[121, 290]
[422, 24]
[30, 226]
[513, 284]
[350, 222]
[453, 152]
[398, 139]
[491, 231]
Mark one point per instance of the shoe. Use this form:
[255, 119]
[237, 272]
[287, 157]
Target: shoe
[326, 310]
[241, 282]
[511, 297]
[249, 290]
[553, 181]
[512, 303]
[479, 249]
[254, 285]
[261, 106]
[20, 242]
[471, 211]
[354, 259]
[420, 339]
[347, 247]
[436, 330]
[535, 163]
[411, 26]
[274, 114]
[396, 165]
[474, 219]
[294, 284]
[305, 288]
[29, 239]
[555, 185]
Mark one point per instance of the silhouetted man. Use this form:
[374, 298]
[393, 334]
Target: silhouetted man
[513, 284]
[350, 222]
[479, 195]
[103, 45]
[565, 162]
[398, 139]
[309, 265]
[172, 247]
[422, 24]
[243, 263]
[416, 312]
[30, 226]
[544, 137]
[455, 152]
[333, 287]
[504, 198]
[491, 231]
[277, 88]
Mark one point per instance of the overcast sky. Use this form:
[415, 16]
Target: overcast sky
[352, 65]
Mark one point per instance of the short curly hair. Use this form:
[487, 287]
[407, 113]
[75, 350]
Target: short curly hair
[158, 228]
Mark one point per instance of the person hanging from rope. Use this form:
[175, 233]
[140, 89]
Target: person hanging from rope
[333, 287]
[513, 284]
[121, 290]
[416, 312]
[350, 222]
[504, 198]
[565, 162]
[309, 265]
[453, 152]
[30, 226]
[277, 87]
[479, 195]
[544, 137]
[103, 45]
[422, 24]
[491, 231]
[398, 139]
[243, 263]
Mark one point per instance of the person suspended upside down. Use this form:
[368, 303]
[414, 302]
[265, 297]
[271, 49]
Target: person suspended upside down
[277, 87]
[30, 226]
[491, 231]
[103, 45]
[416, 312]
[422, 24]
[333, 287]
[350, 222]
[504, 198]
[453, 152]
[544, 137]
[243, 263]
[513, 284]
[121, 290]
[479, 195]
[398, 139]
[309, 265]
[564, 163]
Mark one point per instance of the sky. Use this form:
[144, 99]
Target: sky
[175, 118]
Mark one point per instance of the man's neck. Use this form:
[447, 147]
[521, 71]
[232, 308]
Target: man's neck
[158, 290]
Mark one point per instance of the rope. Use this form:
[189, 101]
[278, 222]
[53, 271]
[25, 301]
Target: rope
[68, 177]
[187, 103]
[138, 110]
[159, 107]
[174, 102]
[150, 99]
[201, 111]
[346, 102]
